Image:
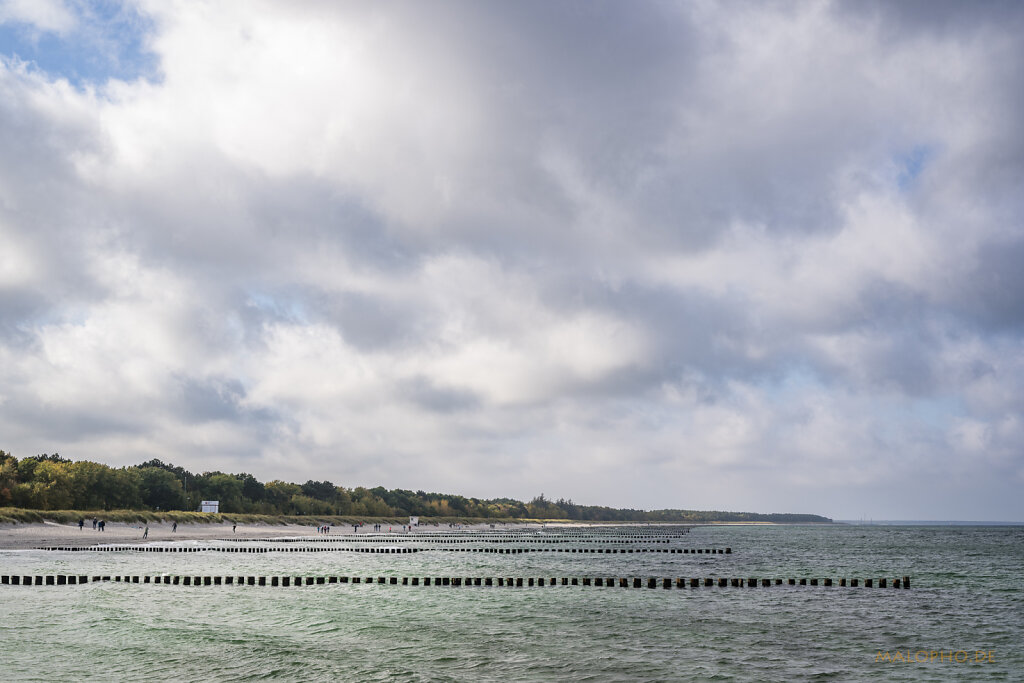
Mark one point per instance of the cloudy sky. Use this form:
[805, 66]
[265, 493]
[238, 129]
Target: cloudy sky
[745, 256]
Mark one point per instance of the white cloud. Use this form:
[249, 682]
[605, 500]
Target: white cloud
[44, 15]
[636, 256]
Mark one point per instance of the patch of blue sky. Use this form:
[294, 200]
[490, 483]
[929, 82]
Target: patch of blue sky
[930, 412]
[108, 40]
[911, 164]
[936, 412]
[278, 307]
[922, 418]
[798, 381]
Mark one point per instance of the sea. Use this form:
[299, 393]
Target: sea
[961, 619]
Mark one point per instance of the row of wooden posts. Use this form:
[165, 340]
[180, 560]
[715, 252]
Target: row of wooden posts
[547, 535]
[518, 582]
[149, 548]
[416, 538]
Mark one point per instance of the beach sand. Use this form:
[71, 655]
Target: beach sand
[25, 536]
[22, 536]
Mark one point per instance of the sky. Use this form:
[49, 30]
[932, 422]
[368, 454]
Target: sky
[752, 256]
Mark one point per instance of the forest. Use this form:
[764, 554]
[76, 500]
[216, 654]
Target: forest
[52, 482]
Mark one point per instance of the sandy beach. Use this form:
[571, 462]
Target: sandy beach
[26, 536]
[23, 536]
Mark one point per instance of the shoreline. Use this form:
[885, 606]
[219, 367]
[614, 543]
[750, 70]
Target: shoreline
[30, 535]
[27, 536]
[34, 534]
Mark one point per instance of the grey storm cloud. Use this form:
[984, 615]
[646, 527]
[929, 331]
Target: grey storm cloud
[745, 256]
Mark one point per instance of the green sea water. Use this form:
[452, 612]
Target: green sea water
[967, 596]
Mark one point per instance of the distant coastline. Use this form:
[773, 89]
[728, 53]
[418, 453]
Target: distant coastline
[923, 522]
[13, 515]
[66, 489]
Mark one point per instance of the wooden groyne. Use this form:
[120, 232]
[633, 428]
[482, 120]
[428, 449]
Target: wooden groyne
[460, 540]
[517, 582]
[384, 550]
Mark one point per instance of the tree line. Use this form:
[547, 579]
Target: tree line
[52, 482]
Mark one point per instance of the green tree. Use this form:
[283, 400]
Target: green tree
[278, 495]
[321, 490]
[8, 478]
[160, 489]
[225, 488]
[51, 485]
[253, 491]
[304, 505]
[124, 486]
[92, 484]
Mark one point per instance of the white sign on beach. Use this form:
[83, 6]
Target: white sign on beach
[414, 521]
[210, 506]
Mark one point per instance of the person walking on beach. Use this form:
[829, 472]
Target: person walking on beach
[81, 523]
[94, 524]
[233, 525]
[145, 534]
[174, 527]
[102, 525]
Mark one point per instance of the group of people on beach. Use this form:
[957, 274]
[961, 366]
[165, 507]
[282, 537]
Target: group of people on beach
[96, 524]
[324, 529]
